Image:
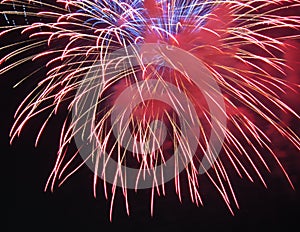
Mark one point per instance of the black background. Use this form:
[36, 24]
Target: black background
[73, 207]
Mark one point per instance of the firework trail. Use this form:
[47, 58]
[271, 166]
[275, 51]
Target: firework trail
[143, 113]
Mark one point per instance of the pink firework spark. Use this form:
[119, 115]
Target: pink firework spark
[245, 46]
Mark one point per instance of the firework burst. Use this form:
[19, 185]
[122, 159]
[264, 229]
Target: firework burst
[144, 115]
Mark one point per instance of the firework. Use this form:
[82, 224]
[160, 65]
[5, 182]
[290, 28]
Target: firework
[156, 88]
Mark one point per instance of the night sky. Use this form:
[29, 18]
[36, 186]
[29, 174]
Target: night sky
[72, 206]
